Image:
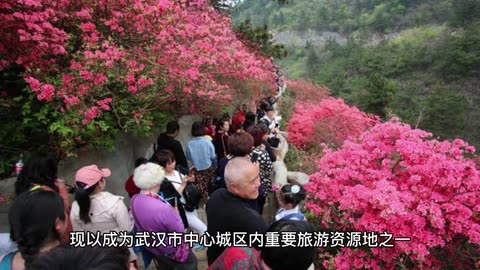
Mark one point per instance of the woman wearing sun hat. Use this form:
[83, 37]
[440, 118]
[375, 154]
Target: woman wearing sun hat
[95, 209]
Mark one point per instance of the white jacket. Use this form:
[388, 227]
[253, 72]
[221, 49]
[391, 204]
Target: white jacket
[107, 213]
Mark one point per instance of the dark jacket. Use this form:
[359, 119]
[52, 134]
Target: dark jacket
[227, 212]
[219, 182]
[171, 195]
[168, 142]
[269, 150]
[221, 145]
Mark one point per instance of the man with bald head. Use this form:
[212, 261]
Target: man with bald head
[228, 210]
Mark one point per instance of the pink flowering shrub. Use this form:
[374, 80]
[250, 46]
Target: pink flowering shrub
[396, 179]
[109, 66]
[304, 91]
[330, 122]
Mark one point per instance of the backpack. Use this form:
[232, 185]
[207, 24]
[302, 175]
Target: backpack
[191, 194]
[192, 197]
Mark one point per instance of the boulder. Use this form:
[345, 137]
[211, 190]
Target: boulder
[279, 173]
[281, 150]
[298, 177]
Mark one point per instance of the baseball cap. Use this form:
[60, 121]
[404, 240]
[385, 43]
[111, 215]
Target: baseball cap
[90, 175]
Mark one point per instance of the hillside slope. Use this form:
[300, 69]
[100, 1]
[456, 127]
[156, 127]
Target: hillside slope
[419, 60]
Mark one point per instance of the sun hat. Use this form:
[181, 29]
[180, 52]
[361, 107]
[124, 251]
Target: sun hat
[90, 175]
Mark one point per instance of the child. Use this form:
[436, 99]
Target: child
[289, 198]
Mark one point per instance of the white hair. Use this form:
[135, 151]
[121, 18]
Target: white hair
[148, 175]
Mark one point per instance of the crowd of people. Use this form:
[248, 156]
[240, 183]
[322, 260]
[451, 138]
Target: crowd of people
[226, 168]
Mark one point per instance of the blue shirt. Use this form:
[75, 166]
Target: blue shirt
[201, 153]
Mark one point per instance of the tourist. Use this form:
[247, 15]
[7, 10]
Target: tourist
[221, 138]
[209, 127]
[168, 189]
[227, 209]
[227, 118]
[41, 170]
[270, 258]
[201, 153]
[130, 187]
[249, 120]
[240, 145]
[238, 119]
[270, 120]
[96, 210]
[167, 140]
[74, 258]
[289, 198]
[37, 223]
[153, 214]
[266, 141]
[261, 109]
[261, 156]
[184, 189]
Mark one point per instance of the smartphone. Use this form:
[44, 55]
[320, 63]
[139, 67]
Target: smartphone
[254, 157]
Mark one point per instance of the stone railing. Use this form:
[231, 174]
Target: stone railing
[281, 174]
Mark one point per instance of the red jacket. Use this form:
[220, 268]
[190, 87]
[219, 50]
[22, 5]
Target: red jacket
[237, 120]
[130, 187]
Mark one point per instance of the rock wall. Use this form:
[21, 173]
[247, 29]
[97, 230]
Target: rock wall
[121, 161]
[185, 133]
